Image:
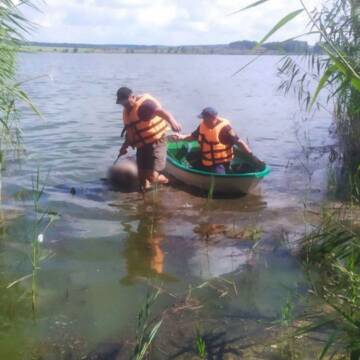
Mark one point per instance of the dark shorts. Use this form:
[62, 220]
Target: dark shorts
[152, 156]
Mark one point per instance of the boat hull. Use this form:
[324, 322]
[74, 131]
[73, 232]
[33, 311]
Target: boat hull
[178, 166]
[220, 184]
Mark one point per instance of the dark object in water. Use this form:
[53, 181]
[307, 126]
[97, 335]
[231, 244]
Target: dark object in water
[124, 175]
[91, 190]
[105, 351]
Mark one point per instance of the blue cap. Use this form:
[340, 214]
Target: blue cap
[123, 94]
[208, 112]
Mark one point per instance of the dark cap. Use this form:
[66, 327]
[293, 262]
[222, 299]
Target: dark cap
[123, 94]
[208, 112]
[147, 110]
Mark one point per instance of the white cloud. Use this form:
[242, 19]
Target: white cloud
[157, 15]
[173, 22]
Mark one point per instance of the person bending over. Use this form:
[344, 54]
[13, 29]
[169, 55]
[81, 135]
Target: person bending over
[145, 127]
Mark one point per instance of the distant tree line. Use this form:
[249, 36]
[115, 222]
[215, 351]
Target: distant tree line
[285, 47]
[237, 47]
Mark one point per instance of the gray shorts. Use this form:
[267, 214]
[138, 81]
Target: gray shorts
[152, 156]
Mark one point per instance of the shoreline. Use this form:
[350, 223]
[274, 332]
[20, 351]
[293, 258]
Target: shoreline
[30, 50]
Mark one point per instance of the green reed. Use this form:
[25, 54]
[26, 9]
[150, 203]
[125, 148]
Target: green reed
[43, 219]
[211, 190]
[332, 254]
[200, 344]
[147, 329]
[13, 27]
[332, 251]
[336, 72]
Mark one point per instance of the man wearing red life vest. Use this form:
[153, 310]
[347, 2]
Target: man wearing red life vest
[216, 138]
[145, 126]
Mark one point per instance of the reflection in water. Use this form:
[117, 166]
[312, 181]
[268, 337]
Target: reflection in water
[89, 234]
[143, 253]
[214, 261]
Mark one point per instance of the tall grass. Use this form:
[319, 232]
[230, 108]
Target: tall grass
[337, 72]
[332, 254]
[43, 219]
[146, 329]
[13, 28]
[200, 344]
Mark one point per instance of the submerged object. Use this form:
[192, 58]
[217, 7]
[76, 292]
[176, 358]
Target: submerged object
[124, 175]
[243, 177]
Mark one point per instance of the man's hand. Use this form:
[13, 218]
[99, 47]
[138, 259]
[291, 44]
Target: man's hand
[176, 137]
[259, 163]
[175, 126]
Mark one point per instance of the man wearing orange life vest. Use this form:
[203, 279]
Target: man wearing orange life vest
[216, 138]
[145, 126]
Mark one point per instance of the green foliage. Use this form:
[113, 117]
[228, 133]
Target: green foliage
[243, 45]
[200, 345]
[336, 74]
[279, 25]
[211, 188]
[339, 32]
[259, 2]
[333, 254]
[287, 312]
[13, 26]
[288, 46]
[146, 329]
[333, 251]
[43, 219]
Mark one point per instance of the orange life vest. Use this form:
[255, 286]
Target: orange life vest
[212, 150]
[140, 133]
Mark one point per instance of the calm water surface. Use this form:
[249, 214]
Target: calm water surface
[107, 245]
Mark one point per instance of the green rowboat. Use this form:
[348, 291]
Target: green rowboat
[178, 165]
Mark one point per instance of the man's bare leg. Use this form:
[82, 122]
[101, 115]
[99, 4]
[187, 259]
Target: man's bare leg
[143, 180]
[158, 178]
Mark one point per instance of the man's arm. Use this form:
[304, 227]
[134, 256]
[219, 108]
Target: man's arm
[243, 147]
[189, 137]
[247, 151]
[169, 118]
[124, 147]
[229, 136]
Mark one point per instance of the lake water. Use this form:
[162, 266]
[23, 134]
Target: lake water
[109, 248]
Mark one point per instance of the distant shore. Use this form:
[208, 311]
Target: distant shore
[245, 47]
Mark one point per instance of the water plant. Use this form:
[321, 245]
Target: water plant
[200, 344]
[13, 27]
[337, 71]
[211, 189]
[332, 255]
[286, 315]
[146, 330]
[41, 223]
[331, 252]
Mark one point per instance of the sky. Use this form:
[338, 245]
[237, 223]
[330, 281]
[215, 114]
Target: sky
[164, 22]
